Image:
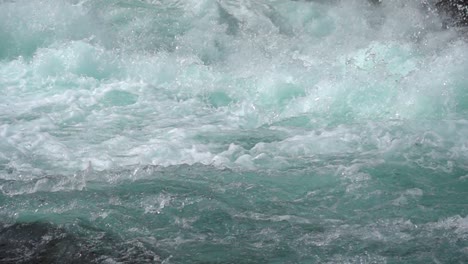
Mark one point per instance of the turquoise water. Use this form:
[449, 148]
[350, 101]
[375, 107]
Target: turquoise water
[232, 131]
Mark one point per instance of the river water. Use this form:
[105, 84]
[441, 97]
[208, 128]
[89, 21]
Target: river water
[232, 131]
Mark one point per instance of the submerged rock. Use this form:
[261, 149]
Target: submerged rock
[46, 243]
[40, 243]
[454, 12]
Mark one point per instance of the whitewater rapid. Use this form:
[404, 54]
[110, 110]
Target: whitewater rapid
[286, 130]
[89, 81]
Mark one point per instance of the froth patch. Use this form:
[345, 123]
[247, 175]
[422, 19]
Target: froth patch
[78, 58]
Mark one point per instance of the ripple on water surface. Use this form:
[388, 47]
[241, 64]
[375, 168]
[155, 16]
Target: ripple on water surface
[232, 131]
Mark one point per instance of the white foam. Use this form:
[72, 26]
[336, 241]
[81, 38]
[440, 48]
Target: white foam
[132, 93]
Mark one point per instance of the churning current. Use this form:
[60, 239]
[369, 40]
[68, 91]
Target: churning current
[232, 131]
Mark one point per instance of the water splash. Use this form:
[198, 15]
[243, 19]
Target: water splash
[298, 127]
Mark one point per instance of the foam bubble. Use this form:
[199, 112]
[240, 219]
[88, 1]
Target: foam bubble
[109, 91]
